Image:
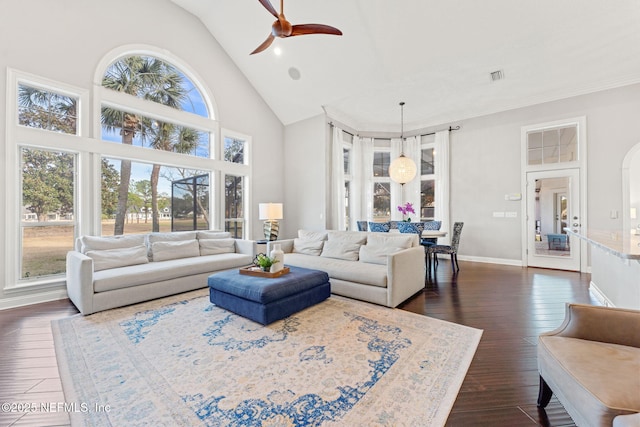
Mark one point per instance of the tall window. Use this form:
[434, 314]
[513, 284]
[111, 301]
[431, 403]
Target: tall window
[161, 85]
[234, 205]
[48, 221]
[381, 180]
[47, 212]
[347, 152]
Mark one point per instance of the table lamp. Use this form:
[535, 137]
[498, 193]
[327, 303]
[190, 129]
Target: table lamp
[270, 213]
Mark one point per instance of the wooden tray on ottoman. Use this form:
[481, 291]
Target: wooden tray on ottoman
[253, 271]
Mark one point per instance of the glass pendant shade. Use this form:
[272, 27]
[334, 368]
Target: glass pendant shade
[402, 169]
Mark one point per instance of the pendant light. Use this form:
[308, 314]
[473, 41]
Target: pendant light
[403, 169]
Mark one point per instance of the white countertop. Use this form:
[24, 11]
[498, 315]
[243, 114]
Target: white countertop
[624, 245]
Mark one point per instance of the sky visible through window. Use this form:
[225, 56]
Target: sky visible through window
[194, 103]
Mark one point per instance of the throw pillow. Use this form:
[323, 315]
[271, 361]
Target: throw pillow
[341, 250]
[393, 239]
[217, 246]
[212, 234]
[168, 237]
[163, 251]
[379, 227]
[348, 236]
[312, 235]
[120, 257]
[97, 243]
[376, 254]
[307, 247]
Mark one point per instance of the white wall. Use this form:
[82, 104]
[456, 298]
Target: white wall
[634, 188]
[306, 176]
[485, 165]
[65, 40]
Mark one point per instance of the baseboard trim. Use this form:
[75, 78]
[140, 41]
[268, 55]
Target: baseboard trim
[487, 260]
[35, 298]
[597, 294]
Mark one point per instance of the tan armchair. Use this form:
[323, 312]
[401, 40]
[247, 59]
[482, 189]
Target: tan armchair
[592, 364]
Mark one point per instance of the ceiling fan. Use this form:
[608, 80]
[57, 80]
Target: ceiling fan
[283, 28]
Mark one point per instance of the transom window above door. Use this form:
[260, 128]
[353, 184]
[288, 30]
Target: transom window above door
[556, 145]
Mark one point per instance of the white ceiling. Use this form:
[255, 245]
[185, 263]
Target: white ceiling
[434, 55]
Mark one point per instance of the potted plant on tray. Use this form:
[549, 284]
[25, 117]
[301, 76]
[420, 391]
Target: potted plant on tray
[264, 262]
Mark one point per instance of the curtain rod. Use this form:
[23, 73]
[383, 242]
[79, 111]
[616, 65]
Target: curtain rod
[421, 134]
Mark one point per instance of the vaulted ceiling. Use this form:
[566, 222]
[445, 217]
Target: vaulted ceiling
[436, 56]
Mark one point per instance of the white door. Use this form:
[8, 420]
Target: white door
[553, 203]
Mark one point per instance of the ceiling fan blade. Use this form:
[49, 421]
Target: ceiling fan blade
[267, 5]
[265, 44]
[299, 30]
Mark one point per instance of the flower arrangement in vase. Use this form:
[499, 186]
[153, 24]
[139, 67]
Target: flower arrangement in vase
[406, 209]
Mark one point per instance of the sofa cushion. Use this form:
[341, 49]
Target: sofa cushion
[395, 240]
[348, 236]
[308, 247]
[312, 235]
[340, 250]
[97, 243]
[350, 271]
[121, 257]
[596, 374]
[126, 277]
[163, 251]
[212, 234]
[217, 246]
[373, 254]
[177, 236]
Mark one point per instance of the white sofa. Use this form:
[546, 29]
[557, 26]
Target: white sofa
[382, 268]
[109, 272]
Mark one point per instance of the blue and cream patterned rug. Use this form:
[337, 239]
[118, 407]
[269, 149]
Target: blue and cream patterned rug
[181, 361]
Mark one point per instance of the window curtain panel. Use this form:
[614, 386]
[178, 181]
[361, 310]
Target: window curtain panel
[338, 220]
[413, 151]
[361, 208]
[397, 198]
[442, 185]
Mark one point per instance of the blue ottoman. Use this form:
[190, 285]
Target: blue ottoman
[265, 300]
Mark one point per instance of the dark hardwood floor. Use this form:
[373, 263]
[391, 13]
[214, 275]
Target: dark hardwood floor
[511, 304]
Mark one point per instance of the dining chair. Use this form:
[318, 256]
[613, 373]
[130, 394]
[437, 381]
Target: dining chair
[379, 227]
[362, 225]
[451, 249]
[430, 225]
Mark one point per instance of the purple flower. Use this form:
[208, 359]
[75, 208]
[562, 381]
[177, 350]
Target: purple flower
[406, 208]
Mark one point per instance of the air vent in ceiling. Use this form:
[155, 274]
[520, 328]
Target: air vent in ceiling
[497, 75]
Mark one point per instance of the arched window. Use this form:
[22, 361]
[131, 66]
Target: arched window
[148, 103]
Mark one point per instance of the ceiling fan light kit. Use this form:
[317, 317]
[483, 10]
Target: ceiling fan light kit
[283, 28]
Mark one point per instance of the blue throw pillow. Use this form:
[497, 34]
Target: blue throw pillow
[380, 227]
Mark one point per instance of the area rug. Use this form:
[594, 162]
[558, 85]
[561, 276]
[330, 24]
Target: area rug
[182, 361]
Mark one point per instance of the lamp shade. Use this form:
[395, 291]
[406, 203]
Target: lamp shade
[270, 211]
[402, 169]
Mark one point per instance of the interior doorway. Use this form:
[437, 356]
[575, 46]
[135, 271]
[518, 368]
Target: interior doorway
[553, 204]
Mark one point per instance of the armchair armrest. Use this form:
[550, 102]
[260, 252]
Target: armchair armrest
[405, 274]
[80, 281]
[602, 324]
